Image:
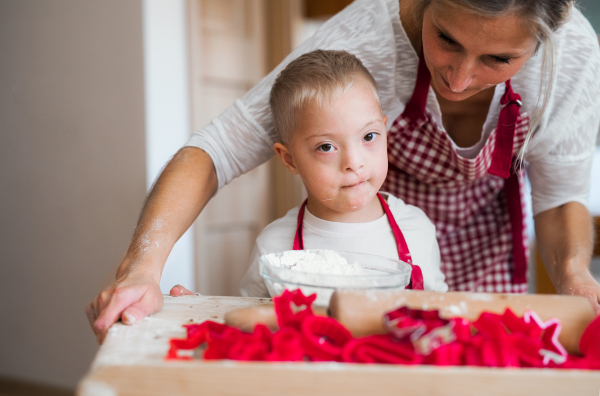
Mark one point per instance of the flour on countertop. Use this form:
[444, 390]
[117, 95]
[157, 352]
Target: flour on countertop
[454, 309]
[326, 262]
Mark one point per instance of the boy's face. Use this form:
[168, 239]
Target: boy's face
[340, 151]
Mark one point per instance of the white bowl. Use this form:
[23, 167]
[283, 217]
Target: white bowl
[381, 273]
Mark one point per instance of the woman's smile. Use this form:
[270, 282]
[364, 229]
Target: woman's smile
[445, 82]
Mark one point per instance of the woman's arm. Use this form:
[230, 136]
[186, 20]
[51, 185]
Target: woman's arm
[565, 242]
[180, 193]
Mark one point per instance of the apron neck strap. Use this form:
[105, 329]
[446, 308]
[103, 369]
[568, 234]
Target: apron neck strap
[298, 239]
[415, 108]
[403, 252]
[502, 157]
[416, 275]
[502, 165]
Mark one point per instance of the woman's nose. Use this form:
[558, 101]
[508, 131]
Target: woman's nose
[460, 75]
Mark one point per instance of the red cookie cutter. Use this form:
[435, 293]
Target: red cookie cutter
[324, 338]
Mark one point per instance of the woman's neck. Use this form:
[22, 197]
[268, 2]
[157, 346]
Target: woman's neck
[464, 120]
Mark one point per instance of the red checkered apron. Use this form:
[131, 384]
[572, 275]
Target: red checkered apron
[476, 204]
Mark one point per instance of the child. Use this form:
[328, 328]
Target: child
[326, 110]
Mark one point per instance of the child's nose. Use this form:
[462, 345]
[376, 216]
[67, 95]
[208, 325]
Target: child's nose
[353, 161]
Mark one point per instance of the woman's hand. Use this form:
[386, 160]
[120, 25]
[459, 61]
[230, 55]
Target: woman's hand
[581, 284]
[565, 241]
[180, 193]
[130, 298]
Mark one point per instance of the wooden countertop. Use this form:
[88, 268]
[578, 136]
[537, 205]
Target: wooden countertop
[131, 362]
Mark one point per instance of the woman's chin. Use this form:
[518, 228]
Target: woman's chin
[448, 94]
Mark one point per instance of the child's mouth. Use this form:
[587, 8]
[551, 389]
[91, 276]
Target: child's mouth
[354, 185]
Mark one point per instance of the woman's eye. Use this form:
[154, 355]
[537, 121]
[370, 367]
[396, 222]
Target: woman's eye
[325, 148]
[446, 39]
[370, 136]
[498, 59]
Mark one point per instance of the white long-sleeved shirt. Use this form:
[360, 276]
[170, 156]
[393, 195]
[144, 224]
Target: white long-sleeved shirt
[559, 155]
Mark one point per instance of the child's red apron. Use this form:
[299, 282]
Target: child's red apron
[476, 204]
[416, 277]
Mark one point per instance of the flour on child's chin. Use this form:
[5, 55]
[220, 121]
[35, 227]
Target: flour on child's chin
[370, 195]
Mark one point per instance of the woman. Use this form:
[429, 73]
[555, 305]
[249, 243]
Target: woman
[511, 81]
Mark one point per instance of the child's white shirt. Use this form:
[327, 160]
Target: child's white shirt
[374, 237]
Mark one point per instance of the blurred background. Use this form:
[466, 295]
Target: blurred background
[95, 97]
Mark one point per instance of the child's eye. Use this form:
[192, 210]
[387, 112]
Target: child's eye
[370, 136]
[326, 148]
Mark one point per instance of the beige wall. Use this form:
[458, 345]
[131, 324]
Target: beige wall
[72, 173]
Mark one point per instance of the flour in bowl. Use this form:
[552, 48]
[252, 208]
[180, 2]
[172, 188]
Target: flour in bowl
[326, 262]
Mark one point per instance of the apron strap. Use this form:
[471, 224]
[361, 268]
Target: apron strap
[503, 166]
[298, 240]
[416, 277]
[505, 134]
[515, 212]
[415, 108]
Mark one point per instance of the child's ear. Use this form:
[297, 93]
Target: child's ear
[385, 125]
[286, 157]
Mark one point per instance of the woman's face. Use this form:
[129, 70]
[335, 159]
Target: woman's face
[467, 53]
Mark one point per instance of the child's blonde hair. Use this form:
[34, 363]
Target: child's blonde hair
[321, 76]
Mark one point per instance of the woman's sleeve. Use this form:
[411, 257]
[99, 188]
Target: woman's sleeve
[236, 140]
[559, 164]
[242, 137]
[565, 174]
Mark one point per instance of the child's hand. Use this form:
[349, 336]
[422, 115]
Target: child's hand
[179, 290]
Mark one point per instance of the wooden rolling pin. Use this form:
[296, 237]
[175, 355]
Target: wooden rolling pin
[246, 318]
[362, 311]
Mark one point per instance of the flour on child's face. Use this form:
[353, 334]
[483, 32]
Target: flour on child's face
[340, 151]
